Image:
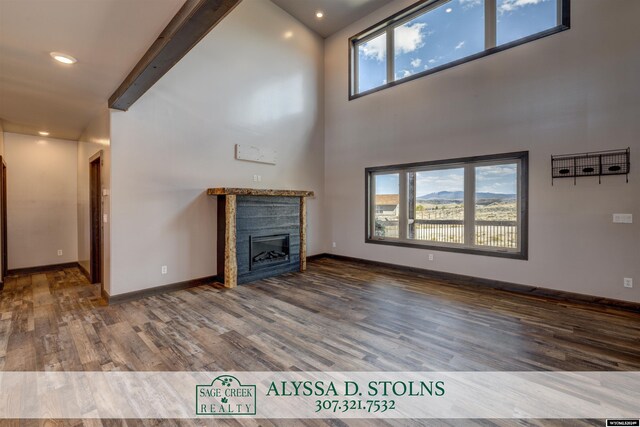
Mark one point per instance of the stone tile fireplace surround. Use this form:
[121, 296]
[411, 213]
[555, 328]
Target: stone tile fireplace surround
[261, 233]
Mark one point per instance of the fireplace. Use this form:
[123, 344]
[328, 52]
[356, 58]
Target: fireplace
[261, 233]
[268, 251]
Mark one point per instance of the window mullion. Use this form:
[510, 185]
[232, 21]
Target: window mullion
[412, 203]
[469, 204]
[390, 55]
[560, 11]
[372, 205]
[519, 201]
[490, 23]
[403, 206]
[354, 76]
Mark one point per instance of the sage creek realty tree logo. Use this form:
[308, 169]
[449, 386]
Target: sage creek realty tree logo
[225, 396]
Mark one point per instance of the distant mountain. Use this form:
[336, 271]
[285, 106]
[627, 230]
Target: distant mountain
[443, 195]
[459, 195]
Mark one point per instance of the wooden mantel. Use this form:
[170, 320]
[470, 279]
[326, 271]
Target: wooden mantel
[227, 208]
[226, 191]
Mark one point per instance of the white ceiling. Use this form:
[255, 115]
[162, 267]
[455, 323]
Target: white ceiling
[337, 13]
[108, 37]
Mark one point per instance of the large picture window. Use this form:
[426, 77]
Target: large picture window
[472, 205]
[433, 35]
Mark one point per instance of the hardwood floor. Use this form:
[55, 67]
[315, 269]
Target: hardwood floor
[339, 316]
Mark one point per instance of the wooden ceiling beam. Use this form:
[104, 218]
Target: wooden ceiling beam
[192, 22]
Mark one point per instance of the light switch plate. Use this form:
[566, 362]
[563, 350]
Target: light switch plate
[623, 218]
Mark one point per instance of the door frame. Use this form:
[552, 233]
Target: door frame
[4, 247]
[96, 240]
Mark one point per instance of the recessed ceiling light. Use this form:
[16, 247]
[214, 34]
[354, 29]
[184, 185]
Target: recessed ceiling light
[63, 58]
[319, 14]
[43, 133]
[449, 10]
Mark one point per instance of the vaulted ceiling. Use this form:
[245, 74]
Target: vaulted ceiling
[107, 37]
[337, 13]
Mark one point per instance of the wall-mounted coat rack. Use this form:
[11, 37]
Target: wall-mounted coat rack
[600, 163]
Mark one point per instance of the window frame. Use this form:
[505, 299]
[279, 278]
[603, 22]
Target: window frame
[424, 6]
[469, 164]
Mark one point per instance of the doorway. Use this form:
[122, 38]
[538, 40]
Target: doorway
[3, 218]
[95, 213]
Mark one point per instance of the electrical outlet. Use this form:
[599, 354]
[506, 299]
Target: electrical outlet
[430, 257]
[628, 282]
[259, 178]
[164, 269]
[59, 252]
[333, 244]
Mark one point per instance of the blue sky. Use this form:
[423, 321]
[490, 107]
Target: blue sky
[387, 184]
[439, 180]
[452, 31]
[501, 179]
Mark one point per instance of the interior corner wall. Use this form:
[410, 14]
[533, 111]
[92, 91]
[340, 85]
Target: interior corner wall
[41, 200]
[96, 138]
[572, 92]
[255, 79]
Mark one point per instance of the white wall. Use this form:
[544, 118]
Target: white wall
[94, 139]
[572, 92]
[255, 79]
[41, 200]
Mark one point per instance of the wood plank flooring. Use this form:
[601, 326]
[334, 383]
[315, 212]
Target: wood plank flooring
[338, 316]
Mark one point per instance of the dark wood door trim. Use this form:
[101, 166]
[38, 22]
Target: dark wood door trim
[3, 221]
[95, 220]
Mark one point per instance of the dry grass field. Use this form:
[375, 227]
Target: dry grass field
[496, 223]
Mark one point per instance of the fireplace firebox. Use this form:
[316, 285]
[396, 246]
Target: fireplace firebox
[269, 251]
